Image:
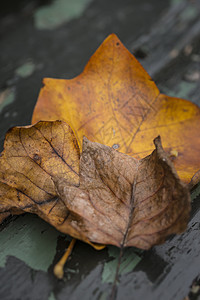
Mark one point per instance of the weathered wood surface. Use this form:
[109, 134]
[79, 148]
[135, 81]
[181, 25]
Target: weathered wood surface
[164, 35]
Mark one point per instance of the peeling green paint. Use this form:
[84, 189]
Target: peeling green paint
[31, 240]
[6, 97]
[51, 296]
[103, 296]
[189, 13]
[183, 89]
[59, 12]
[129, 261]
[25, 70]
[176, 2]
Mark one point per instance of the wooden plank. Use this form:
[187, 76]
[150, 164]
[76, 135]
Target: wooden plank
[165, 37]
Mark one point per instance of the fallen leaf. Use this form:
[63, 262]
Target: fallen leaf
[123, 201]
[32, 155]
[116, 103]
[113, 199]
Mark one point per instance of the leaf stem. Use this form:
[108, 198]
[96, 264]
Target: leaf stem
[58, 269]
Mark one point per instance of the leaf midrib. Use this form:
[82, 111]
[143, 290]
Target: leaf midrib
[132, 207]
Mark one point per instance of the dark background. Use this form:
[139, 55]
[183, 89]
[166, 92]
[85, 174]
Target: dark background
[165, 37]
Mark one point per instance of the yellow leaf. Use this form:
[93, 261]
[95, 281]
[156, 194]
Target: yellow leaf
[115, 102]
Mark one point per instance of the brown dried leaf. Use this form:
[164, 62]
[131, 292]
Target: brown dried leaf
[123, 201]
[32, 155]
[116, 199]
